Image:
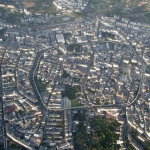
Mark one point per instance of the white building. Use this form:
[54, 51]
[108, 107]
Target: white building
[60, 38]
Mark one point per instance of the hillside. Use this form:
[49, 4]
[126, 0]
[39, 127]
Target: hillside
[39, 6]
[133, 9]
[136, 10]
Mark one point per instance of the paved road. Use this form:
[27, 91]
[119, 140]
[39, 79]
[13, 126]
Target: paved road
[104, 107]
[32, 74]
[52, 25]
[1, 94]
[134, 143]
[142, 76]
[3, 110]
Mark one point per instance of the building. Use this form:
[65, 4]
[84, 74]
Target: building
[60, 38]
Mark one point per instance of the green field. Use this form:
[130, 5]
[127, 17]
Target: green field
[65, 74]
[70, 91]
[102, 135]
[2, 33]
[10, 17]
[75, 49]
[40, 85]
[148, 69]
[75, 103]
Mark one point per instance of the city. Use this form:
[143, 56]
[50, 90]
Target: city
[60, 79]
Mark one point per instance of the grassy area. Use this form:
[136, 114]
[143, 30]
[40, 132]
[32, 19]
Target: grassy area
[65, 74]
[4, 10]
[148, 69]
[139, 9]
[105, 129]
[13, 146]
[145, 145]
[66, 35]
[75, 103]
[81, 136]
[74, 49]
[147, 17]
[112, 46]
[2, 33]
[118, 7]
[75, 46]
[10, 17]
[14, 18]
[108, 35]
[40, 85]
[70, 91]
[76, 15]
[102, 135]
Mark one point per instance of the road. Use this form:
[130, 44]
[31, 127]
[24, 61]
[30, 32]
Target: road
[142, 76]
[44, 107]
[125, 128]
[104, 107]
[8, 42]
[52, 25]
[19, 141]
[134, 143]
[3, 110]
[32, 81]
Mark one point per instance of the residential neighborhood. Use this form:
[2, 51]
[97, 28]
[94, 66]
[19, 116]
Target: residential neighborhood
[56, 79]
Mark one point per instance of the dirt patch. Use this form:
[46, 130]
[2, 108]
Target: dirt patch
[28, 4]
[142, 3]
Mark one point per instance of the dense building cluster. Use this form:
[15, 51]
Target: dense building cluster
[100, 65]
[70, 6]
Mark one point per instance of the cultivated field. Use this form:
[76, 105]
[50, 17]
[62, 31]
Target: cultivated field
[28, 4]
[39, 6]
